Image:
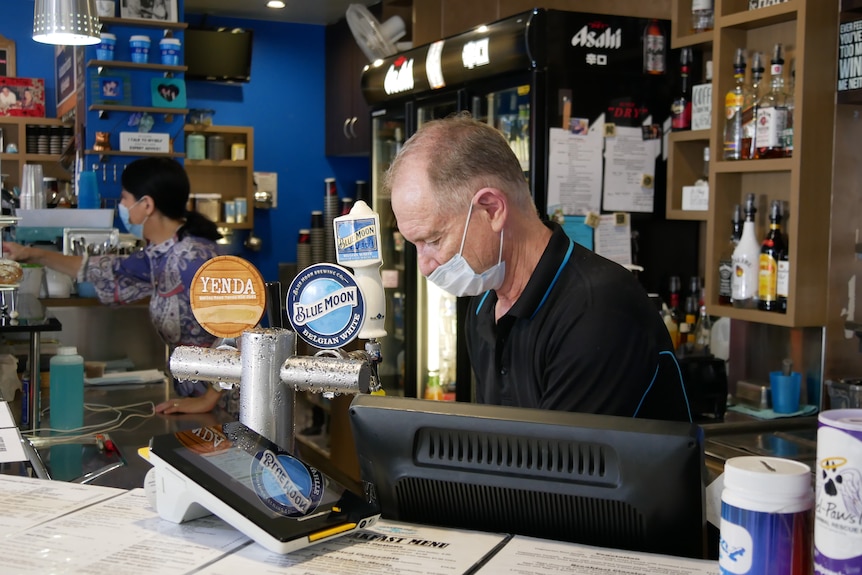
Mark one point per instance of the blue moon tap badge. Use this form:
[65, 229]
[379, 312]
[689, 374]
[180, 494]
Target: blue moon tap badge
[325, 306]
[285, 484]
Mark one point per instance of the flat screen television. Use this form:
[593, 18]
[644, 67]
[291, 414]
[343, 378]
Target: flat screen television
[600, 480]
[218, 54]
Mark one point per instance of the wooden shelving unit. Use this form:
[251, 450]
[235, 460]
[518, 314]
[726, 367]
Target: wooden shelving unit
[15, 131]
[808, 30]
[229, 178]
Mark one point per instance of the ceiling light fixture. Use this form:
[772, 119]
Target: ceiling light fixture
[66, 22]
[275, 4]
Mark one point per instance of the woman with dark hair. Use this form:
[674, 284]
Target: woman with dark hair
[152, 207]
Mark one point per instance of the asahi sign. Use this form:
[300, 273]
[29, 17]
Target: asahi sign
[476, 53]
[399, 77]
[598, 35]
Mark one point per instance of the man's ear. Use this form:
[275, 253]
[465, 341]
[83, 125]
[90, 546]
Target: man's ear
[492, 202]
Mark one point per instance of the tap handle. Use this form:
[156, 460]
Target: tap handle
[274, 305]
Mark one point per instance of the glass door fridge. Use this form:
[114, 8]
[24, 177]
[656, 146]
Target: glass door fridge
[388, 131]
[436, 362]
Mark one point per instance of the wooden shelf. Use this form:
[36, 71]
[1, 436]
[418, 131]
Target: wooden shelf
[754, 315]
[142, 23]
[761, 17]
[698, 39]
[218, 164]
[754, 166]
[133, 154]
[121, 64]
[690, 215]
[689, 136]
[150, 109]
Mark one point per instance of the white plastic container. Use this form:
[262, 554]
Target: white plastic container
[838, 516]
[766, 515]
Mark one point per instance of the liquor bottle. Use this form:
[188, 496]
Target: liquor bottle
[782, 287]
[702, 15]
[692, 300]
[749, 113]
[702, 332]
[675, 286]
[734, 102]
[788, 128]
[655, 49]
[680, 109]
[725, 262]
[771, 251]
[746, 257]
[772, 112]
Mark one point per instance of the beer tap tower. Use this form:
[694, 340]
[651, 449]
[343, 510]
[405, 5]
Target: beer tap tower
[328, 307]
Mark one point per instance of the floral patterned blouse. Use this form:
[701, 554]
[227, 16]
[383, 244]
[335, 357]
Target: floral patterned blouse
[164, 273]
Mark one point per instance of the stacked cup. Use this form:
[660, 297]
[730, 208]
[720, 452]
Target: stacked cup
[105, 50]
[139, 46]
[32, 190]
[170, 48]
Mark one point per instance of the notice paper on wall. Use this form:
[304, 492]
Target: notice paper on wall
[630, 169]
[614, 238]
[575, 167]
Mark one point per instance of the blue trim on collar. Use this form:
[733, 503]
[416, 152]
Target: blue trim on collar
[482, 302]
[556, 277]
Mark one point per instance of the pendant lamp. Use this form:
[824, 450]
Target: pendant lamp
[66, 22]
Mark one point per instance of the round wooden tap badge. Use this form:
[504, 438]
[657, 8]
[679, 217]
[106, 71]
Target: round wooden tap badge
[228, 296]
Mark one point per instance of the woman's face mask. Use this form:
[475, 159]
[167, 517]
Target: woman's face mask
[136, 230]
[459, 279]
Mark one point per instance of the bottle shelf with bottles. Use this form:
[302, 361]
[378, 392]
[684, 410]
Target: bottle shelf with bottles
[807, 30]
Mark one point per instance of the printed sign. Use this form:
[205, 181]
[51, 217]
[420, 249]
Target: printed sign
[148, 142]
[850, 56]
[325, 306]
[228, 296]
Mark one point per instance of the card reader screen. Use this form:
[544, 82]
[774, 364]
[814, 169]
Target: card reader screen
[273, 488]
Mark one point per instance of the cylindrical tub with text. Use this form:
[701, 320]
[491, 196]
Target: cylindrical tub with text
[838, 510]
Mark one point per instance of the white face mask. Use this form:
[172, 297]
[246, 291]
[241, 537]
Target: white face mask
[458, 278]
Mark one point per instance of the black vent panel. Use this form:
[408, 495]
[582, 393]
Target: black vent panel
[504, 510]
[565, 460]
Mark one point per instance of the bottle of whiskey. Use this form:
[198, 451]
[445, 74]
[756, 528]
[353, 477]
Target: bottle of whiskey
[734, 103]
[771, 251]
[772, 112]
[702, 15]
[725, 262]
[749, 113]
[680, 109]
[746, 257]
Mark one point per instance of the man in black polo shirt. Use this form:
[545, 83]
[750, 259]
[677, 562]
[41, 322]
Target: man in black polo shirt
[552, 325]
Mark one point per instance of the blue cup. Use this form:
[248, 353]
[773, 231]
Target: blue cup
[105, 50]
[170, 48]
[785, 391]
[139, 46]
[88, 191]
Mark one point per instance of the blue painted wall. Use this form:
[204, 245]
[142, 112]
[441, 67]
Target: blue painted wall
[284, 102]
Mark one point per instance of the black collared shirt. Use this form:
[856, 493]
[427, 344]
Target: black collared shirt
[583, 336]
